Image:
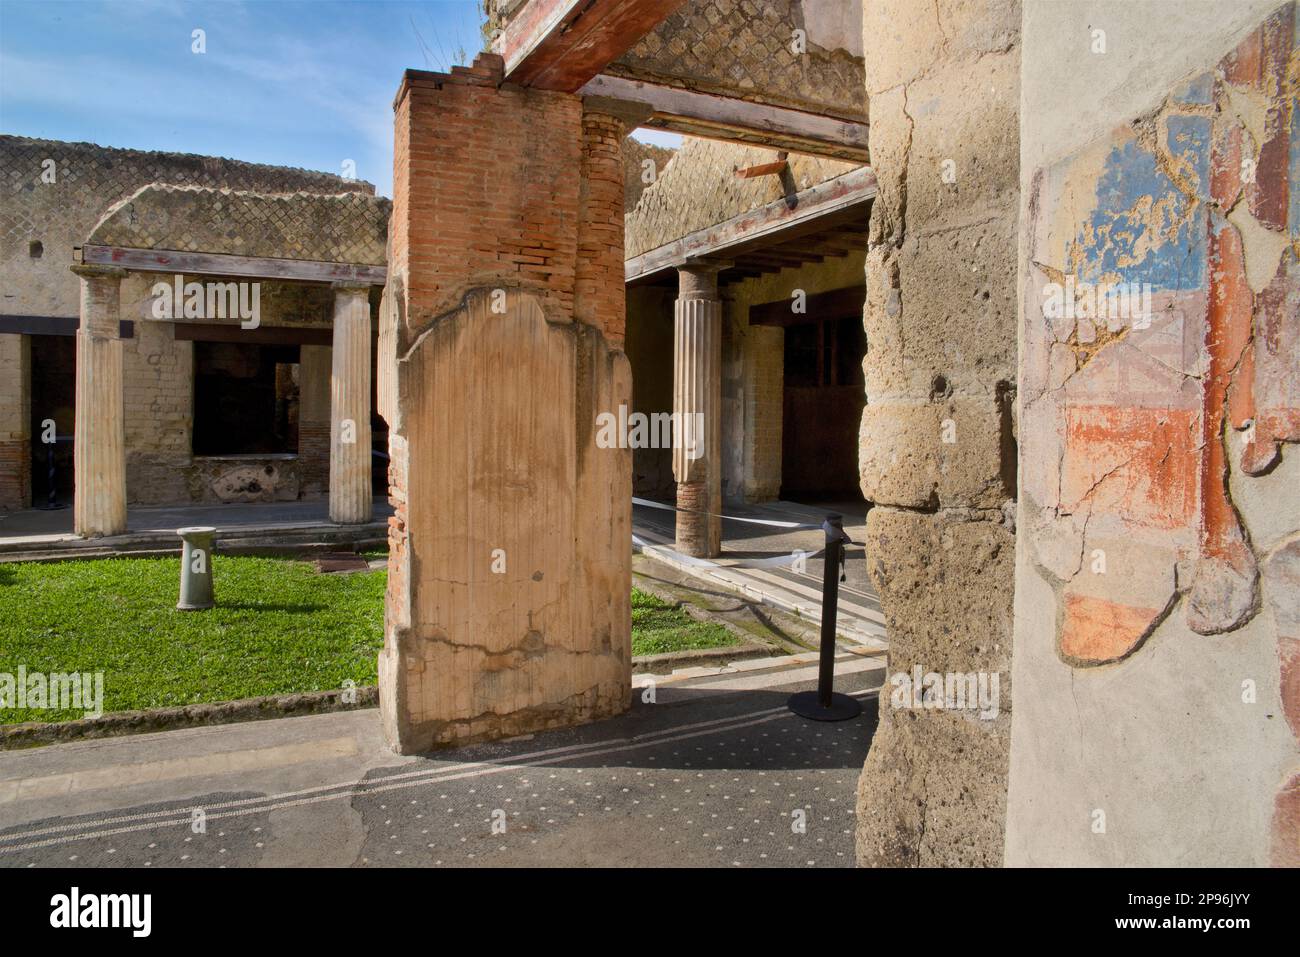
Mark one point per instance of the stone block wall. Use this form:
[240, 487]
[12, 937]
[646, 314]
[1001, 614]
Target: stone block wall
[1157, 644]
[937, 445]
[509, 568]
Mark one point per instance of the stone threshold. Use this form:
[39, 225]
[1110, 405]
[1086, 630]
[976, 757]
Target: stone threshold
[280, 539]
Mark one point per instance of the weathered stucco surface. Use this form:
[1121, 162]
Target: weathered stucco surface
[501, 333]
[937, 444]
[1156, 624]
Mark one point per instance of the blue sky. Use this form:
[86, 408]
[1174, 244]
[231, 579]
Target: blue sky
[306, 83]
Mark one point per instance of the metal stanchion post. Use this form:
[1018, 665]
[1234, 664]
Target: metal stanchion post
[824, 704]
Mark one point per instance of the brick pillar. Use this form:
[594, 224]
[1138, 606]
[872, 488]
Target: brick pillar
[350, 498]
[15, 422]
[697, 403]
[99, 449]
[509, 588]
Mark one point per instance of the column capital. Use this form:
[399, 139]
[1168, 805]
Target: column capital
[351, 286]
[698, 278]
[98, 271]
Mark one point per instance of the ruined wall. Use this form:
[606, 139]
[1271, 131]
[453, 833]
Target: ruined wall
[158, 376]
[1157, 646]
[937, 446]
[508, 605]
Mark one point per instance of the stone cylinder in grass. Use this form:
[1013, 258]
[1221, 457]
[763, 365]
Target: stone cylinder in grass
[196, 567]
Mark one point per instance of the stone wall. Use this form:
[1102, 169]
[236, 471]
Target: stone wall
[937, 445]
[509, 567]
[1157, 643]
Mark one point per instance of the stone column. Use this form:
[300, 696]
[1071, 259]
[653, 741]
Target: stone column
[350, 499]
[99, 451]
[697, 404]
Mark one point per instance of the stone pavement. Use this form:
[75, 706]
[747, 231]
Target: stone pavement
[861, 618]
[715, 772]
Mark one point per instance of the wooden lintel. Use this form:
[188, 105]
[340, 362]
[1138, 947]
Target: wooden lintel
[55, 326]
[742, 121]
[221, 264]
[262, 335]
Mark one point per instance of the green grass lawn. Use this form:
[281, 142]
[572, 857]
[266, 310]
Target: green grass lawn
[658, 627]
[279, 627]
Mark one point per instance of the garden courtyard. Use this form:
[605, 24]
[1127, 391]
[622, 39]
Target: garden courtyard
[280, 626]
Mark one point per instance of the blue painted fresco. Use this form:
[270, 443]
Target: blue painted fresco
[1129, 190]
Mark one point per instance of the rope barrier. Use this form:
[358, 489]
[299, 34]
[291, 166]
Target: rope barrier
[731, 518]
[778, 561]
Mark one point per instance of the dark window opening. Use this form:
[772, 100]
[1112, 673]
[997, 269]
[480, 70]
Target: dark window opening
[824, 396]
[245, 399]
[54, 382]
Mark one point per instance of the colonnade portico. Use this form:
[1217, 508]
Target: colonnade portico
[271, 225]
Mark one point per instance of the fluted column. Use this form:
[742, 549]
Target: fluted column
[99, 450]
[697, 402]
[350, 496]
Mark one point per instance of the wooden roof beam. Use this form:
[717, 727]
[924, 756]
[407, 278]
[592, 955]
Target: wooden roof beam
[561, 44]
[741, 121]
